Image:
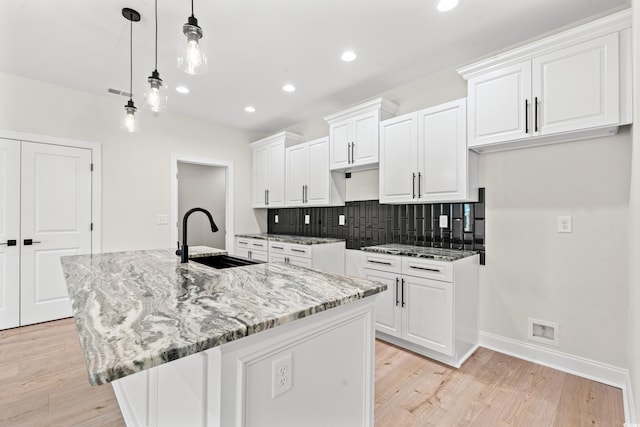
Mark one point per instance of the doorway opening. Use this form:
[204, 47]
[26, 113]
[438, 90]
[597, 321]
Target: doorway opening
[208, 184]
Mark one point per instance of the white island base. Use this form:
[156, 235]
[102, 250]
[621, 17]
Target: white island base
[326, 359]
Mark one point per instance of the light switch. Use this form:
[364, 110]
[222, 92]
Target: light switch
[307, 219]
[444, 223]
[340, 219]
[162, 220]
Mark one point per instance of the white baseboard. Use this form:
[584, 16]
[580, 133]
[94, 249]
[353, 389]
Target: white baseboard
[590, 369]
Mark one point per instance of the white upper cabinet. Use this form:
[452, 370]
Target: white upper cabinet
[424, 157]
[353, 135]
[269, 169]
[309, 180]
[569, 86]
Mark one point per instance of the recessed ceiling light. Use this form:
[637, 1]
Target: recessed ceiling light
[447, 5]
[249, 109]
[348, 56]
[288, 88]
[182, 89]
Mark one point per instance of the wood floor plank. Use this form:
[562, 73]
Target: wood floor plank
[43, 382]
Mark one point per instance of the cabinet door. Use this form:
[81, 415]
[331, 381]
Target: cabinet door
[388, 310]
[365, 138]
[340, 140]
[297, 173]
[577, 87]
[318, 190]
[276, 175]
[500, 105]
[277, 257]
[259, 255]
[442, 152]
[260, 173]
[9, 230]
[398, 159]
[427, 318]
[56, 216]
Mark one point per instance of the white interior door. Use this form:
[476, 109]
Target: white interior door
[56, 217]
[9, 233]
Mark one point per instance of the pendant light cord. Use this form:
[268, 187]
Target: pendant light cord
[131, 61]
[191, 7]
[156, 64]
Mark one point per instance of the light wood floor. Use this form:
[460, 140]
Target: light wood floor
[43, 382]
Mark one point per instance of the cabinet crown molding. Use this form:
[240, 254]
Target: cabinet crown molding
[382, 104]
[290, 138]
[618, 21]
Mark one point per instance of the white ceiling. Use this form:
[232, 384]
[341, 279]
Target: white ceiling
[255, 46]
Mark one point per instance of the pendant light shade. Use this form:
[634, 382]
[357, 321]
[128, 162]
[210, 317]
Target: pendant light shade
[129, 120]
[155, 97]
[192, 56]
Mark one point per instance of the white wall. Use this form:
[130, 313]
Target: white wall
[136, 167]
[579, 280]
[634, 216]
[202, 186]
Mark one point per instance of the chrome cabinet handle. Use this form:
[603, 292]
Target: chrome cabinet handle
[419, 179]
[348, 153]
[277, 247]
[297, 250]
[353, 158]
[402, 292]
[265, 196]
[10, 243]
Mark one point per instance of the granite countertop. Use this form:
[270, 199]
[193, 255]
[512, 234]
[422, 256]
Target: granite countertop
[202, 251]
[438, 254]
[286, 238]
[137, 310]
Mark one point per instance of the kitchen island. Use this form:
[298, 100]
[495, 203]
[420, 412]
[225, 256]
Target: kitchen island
[260, 345]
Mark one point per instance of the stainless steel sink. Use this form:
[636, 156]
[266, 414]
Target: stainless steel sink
[224, 261]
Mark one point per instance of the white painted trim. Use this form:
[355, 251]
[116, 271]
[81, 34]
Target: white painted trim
[609, 24]
[229, 196]
[96, 181]
[381, 104]
[576, 365]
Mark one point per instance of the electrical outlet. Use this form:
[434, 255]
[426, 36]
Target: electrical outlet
[565, 224]
[444, 221]
[307, 219]
[340, 219]
[281, 375]
[276, 219]
[162, 220]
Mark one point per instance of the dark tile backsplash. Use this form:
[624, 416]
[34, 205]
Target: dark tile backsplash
[368, 223]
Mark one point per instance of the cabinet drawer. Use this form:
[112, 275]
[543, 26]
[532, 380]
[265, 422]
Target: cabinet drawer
[241, 242]
[277, 248]
[260, 245]
[299, 261]
[304, 251]
[390, 263]
[427, 268]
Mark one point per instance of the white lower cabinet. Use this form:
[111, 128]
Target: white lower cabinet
[430, 307]
[257, 249]
[327, 256]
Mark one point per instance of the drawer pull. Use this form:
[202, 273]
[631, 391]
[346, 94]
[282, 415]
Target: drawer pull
[277, 247]
[243, 243]
[298, 250]
[402, 292]
[258, 244]
[435, 270]
[378, 262]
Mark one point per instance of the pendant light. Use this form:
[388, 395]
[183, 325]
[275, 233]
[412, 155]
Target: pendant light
[129, 120]
[192, 57]
[155, 97]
